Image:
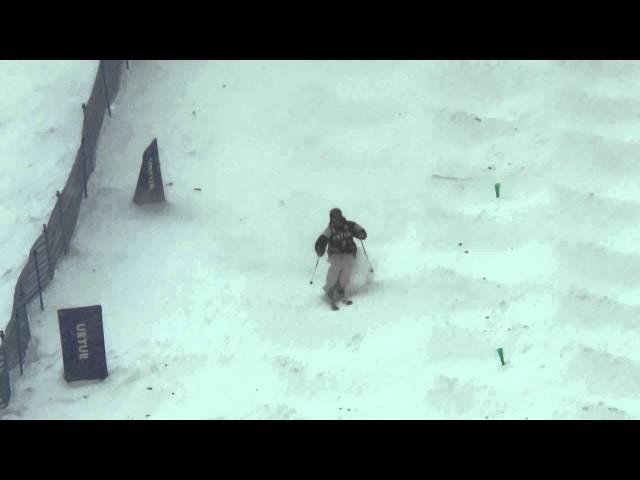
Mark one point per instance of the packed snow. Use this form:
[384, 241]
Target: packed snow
[207, 304]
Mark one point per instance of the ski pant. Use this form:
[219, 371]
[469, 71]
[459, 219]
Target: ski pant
[339, 272]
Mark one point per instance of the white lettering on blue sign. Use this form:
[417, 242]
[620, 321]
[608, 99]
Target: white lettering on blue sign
[83, 347]
[152, 184]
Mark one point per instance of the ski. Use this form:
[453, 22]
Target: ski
[333, 302]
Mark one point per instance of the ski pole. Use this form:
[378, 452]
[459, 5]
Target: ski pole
[365, 254]
[314, 271]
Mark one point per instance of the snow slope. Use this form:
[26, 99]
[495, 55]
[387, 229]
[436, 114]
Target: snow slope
[207, 305]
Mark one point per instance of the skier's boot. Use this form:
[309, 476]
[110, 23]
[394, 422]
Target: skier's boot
[331, 295]
[342, 297]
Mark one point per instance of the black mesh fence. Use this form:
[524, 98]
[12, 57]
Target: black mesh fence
[5, 387]
[53, 242]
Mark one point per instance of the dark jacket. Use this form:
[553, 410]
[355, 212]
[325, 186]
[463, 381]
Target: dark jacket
[339, 237]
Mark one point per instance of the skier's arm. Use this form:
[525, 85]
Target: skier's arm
[321, 243]
[358, 231]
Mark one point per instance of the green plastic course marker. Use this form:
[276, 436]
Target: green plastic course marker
[501, 354]
[497, 190]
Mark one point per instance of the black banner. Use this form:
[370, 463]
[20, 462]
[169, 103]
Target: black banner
[150, 188]
[5, 387]
[82, 337]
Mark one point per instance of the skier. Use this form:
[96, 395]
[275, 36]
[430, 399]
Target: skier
[342, 252]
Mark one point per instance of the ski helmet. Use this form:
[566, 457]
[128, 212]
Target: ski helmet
[335, 213]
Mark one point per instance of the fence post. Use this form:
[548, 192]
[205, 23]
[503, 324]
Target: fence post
[84, 127]
[35, 261]
[64, 240]
[18, 341]
[23, 305]
[84, 117]
[84, 165]
[21, 294]
[106, 91]
[3, 352]
[46, 241]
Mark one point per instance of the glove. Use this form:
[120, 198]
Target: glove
[321, 245]
[360, 235]
[357, 231]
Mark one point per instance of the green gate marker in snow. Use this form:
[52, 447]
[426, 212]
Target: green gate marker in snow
[497, 190]
[501, 356]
